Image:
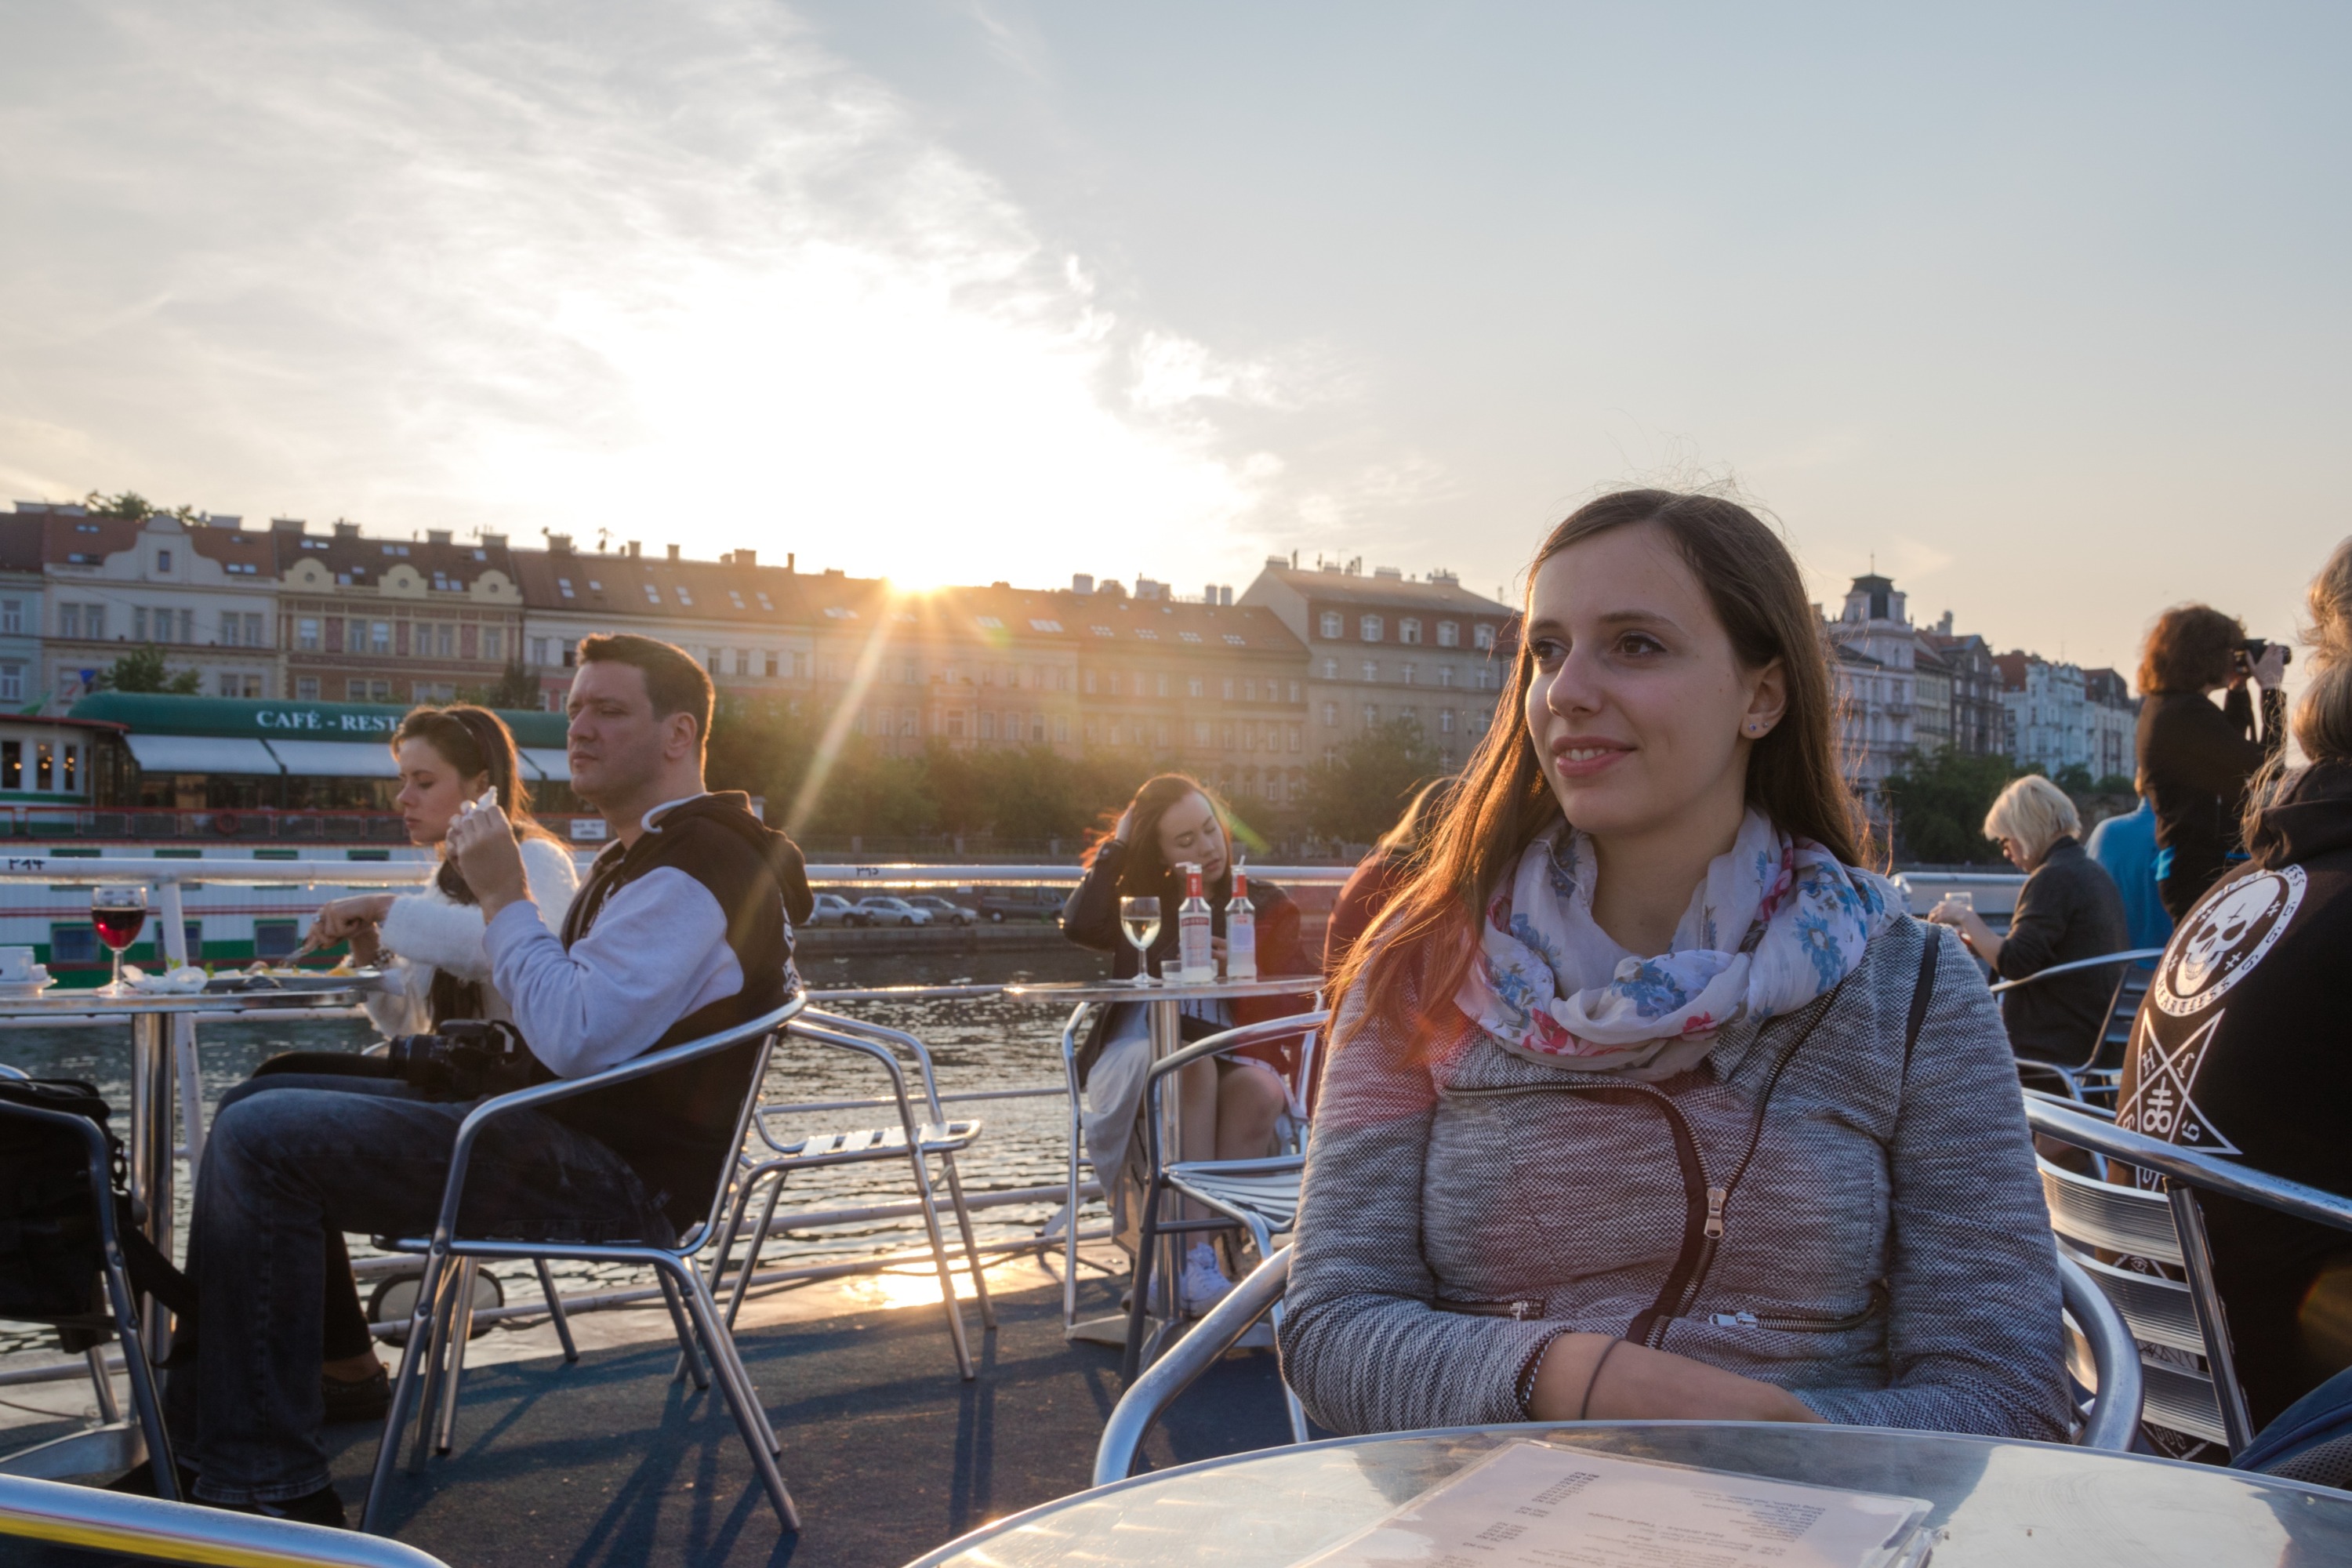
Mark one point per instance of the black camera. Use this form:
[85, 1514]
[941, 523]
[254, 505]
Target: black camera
[2250, 652]
[469, 1058]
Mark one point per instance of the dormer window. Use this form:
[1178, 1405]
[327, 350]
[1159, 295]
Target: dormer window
[683, 596]
[162, 561]
[735, 598]
[563, 586]
[765, 603]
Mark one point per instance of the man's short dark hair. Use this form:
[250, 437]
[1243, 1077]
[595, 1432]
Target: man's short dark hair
[674, 680]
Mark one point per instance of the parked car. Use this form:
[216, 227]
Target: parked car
[881, 910]
[831, 910]
[943, 911]
[1002, 904]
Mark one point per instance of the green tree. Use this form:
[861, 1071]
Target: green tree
[128, 504]
[1940, 803]
[142, 669]
[1359, 794]
[514, 688]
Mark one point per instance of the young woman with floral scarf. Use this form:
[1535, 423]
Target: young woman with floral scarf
[1649, 1101]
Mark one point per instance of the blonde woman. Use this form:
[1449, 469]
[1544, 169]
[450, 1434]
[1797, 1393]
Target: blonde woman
[2069, 909]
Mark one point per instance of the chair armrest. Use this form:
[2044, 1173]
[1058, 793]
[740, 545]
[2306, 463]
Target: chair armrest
[1173, 1373]
[2131, 956]
[469, 1130]
[2115, 1418]
[1236, 1039]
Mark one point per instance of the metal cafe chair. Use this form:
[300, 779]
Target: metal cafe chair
[122, 1308]
[443, 1318]
[2109, 1423]
[775, 1157]
[2102, 1066]
[2177, 1323]
[1260, 1195]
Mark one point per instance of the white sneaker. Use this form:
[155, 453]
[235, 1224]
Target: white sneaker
[1204, 1283]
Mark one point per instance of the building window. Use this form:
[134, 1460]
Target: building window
[1372, 715]
[138, 624]
[306, 635]
[1294, 692]
[494, 644]
[306, 688]
[12, 616]
[538, 651]
[1296, 740]
[12, 683]
[162, 561]
[1372, 670]
[69, 621]
[94, 619]
[1483, 638]
[1331, 625]
[1163, 686]
[1448, 635]
[1370, 628]
[379, 637]
[1194, 685]
[232, 686]
[1445, 721]
[1330, 670]
[1445, 675]
[1062, 731]
[444, 641]
[1229, 688]
[1408, 630]
[1408, 675]
[1330, 715]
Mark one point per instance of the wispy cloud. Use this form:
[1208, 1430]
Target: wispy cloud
[676, 272]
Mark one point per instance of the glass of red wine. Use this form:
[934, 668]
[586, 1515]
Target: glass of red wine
[120, 914]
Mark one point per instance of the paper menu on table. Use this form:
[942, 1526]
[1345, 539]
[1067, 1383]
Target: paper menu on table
[1545, 1505]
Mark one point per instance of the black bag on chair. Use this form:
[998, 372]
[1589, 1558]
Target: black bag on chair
[50, 1251]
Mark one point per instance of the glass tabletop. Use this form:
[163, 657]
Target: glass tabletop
[1164, 990]
[2017, 1505]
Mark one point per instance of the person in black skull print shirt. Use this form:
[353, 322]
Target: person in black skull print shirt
[2243, 1047]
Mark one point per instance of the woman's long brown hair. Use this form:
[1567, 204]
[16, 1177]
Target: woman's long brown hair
[1424, 944]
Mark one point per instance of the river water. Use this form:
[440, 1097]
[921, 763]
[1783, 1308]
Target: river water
[983, 1044]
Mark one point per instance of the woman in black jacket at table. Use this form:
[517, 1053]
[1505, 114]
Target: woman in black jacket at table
[2069, 909]
[2195, 759]
[1233, 1103]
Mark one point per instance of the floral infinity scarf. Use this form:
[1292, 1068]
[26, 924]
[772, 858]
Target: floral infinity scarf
[1777, 921]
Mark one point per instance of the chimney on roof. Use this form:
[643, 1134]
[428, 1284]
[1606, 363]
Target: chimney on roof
[1278, 561]
[1390, 572]
[747, 558]
[440, 536]
[1082, 582]
[493, 540]
[673, 553]
[790, 559]
[347, 530]
[559, 544]
[286, 525]
[1225, 595]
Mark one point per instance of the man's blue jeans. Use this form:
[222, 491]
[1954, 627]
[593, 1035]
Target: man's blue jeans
[291, 1158]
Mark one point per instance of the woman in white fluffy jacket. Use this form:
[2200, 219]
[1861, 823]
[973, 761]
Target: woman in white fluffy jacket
[430, 942]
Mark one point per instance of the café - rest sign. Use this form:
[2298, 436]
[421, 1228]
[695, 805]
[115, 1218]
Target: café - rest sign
[319, 720]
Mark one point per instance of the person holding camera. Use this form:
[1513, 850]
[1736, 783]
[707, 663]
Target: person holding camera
[2195, 759]
[682, 930]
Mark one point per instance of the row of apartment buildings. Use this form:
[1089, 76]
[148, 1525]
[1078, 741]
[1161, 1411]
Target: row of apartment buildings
[1248, 690]
[1910, 691]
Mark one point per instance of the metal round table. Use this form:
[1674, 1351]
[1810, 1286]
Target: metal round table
[148, 1139]
[2013, 1505]
[1164, 1001]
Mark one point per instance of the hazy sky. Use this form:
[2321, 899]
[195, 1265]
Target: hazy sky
[2041, 306]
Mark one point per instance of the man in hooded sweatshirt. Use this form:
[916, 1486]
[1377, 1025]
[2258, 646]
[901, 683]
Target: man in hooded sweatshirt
[683, 930]
[2243, 1047]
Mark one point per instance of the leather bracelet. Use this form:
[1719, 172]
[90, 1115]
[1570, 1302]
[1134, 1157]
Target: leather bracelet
[1593, 1382]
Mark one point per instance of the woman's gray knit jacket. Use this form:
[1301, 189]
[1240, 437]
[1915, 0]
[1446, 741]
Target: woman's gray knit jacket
[1884, 1253]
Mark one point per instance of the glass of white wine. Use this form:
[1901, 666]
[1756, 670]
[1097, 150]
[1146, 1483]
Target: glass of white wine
[1139, 922]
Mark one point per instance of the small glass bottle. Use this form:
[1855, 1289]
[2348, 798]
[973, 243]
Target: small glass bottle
[1197, 961]
[1241, 929]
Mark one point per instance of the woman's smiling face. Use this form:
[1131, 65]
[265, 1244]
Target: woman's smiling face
[1641, 715]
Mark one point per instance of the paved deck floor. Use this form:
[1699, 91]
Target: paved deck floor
[888, 1453]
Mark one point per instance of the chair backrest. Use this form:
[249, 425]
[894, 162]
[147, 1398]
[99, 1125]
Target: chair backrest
[2104, 1360]
[2090, 1217]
